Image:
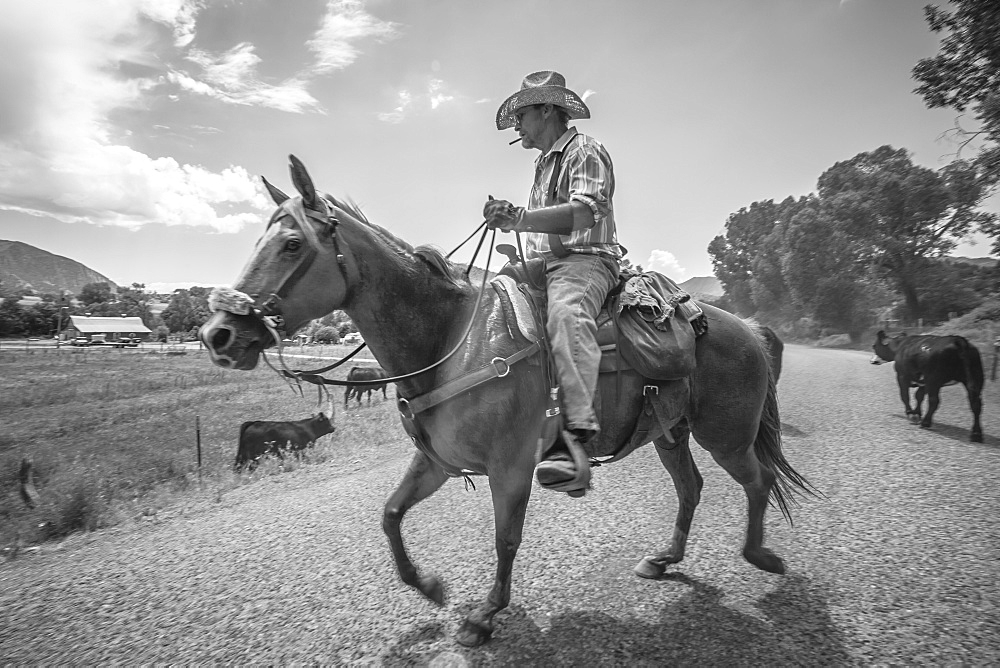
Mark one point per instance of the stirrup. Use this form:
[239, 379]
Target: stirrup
[578, 485]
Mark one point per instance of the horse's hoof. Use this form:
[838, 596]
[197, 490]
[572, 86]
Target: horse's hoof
[472, 634]
[976, 438]
[432, 588]
[765, 560]
[651, 568]
[925, 425]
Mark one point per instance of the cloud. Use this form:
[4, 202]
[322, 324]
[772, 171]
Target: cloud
[232, 78]
[342, 27]
[665, 263]
[434, 94]
[62, 156]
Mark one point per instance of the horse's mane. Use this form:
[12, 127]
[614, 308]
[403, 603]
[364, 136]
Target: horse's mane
[424, 255]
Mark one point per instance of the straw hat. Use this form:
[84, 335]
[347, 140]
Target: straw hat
[545, 87]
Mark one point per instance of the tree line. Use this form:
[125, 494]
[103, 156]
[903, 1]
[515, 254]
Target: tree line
[871, 242]
[873, 239]
[185, 312]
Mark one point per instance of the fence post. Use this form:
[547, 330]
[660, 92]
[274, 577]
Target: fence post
[197, 433]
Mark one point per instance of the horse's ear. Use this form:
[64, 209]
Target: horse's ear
[276, 194]
[304, 184]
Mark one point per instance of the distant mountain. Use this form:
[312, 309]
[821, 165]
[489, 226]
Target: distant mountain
[987, 262]
[701, 287]
[24, 268]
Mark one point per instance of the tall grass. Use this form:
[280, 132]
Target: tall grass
[111, 435]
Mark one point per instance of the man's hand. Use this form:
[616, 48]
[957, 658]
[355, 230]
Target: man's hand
[501, 214]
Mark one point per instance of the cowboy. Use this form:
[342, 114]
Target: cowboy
[570, 222]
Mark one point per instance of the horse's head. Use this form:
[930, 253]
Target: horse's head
[283, 286]
[885, 347]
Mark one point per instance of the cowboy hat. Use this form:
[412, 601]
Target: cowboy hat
[545, 87]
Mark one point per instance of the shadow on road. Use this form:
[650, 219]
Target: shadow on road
[789, 626]
[952, 432]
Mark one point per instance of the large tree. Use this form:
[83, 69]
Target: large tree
[95, 293]
[734, 254]
[965, 76]
[747, 259]
[827, 279]
[901, 214]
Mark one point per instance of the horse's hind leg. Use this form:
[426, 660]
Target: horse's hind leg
[511, 491]
[676, 458]
[422, 479]
[757, 481]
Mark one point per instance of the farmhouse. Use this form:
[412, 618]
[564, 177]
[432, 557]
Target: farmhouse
[101, 328]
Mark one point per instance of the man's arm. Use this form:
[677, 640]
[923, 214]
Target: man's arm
[557, 219]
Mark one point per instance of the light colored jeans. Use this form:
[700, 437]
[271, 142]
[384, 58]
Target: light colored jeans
[577, 286]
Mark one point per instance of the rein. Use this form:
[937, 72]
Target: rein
[268, 315]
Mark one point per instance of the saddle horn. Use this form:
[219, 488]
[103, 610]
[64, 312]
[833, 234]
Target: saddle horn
[509, 251]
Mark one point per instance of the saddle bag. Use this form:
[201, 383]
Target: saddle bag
[656, 337]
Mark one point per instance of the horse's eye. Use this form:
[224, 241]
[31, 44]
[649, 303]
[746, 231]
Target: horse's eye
[292, 245]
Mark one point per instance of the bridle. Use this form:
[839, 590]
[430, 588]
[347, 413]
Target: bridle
[268, 312]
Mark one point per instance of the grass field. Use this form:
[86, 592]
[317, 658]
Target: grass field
[112, 433]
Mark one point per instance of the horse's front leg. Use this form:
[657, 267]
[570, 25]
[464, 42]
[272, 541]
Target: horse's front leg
[422, 479]
[676, 458]
[511, 490]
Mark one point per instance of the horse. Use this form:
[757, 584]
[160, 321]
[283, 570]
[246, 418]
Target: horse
[414, 308]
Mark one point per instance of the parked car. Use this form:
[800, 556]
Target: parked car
[80, 341]
[353, 338]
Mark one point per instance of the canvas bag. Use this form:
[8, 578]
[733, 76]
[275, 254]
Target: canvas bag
[655, 338]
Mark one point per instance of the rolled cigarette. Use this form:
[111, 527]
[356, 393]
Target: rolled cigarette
[513, 142]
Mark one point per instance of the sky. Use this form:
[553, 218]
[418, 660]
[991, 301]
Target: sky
[133, 132]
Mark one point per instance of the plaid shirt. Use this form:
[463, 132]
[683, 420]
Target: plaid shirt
[587, 176]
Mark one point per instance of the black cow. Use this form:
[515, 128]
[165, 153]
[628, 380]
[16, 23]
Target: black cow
[258, 437]
[775, 348]
[365, 373]
[928, 363]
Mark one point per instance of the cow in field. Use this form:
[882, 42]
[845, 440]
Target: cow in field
[928, 363]
[364, 373]
[258, 437]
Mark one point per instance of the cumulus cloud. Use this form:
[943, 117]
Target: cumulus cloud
[434, 94]
[62, 156]
[665, 263]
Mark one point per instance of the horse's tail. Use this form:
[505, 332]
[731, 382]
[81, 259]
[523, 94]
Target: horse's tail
[767, 445]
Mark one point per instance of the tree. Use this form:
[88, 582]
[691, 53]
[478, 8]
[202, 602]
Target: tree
[747, 259]
[134, 301]
[11, 318]
[827, 281]
[326, 334]
[901, 213]
[95, 293]
[965, 75]
[339, 321]
[187, 310]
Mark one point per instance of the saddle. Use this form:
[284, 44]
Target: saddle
[647, 323]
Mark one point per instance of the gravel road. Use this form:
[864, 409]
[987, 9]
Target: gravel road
[899, 566]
